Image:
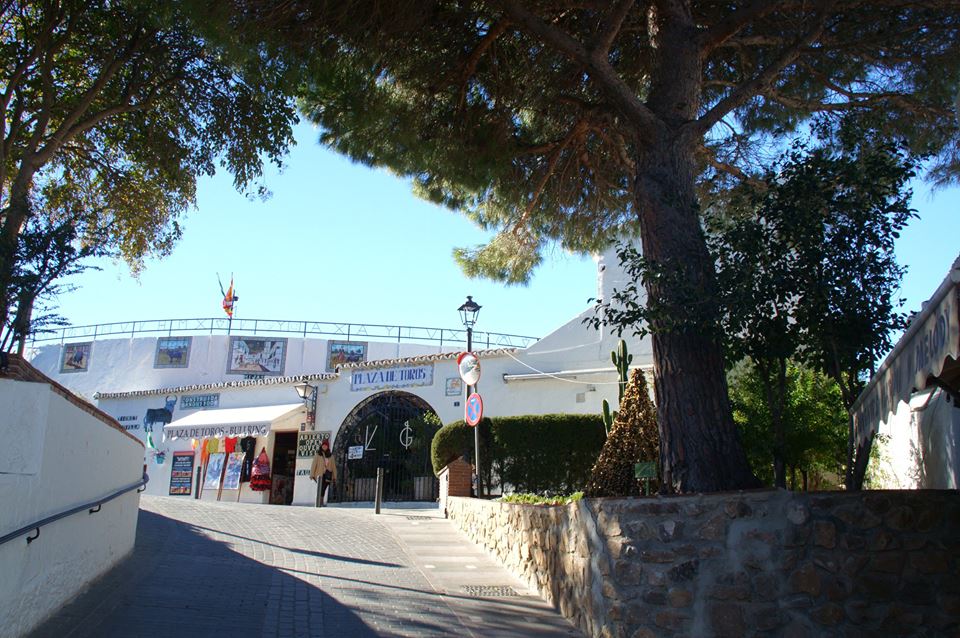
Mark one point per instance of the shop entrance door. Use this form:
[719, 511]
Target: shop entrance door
[392, 430]
[283, 467]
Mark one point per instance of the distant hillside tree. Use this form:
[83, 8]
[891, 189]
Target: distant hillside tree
[812, 439]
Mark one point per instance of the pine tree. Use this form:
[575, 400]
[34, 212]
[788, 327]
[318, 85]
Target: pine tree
[634, 438]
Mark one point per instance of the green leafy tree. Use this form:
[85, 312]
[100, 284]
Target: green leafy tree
[47, 251]
[806, 266]
[813, 424]
[110, 112]
[571, 122]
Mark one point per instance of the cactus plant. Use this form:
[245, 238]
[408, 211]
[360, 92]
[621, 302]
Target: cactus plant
[608, 417]
[621, 361]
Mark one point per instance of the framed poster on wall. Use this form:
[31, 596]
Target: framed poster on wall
[340, 352]
[76, 357]
[257, 356]
[214, 469]
[172, 352]
[454, 387]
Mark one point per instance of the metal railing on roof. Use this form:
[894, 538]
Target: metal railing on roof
[246, 327]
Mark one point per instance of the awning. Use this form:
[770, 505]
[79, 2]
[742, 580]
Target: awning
[927, 351]
[205, 424]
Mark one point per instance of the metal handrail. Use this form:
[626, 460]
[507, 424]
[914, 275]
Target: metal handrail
[347, 331]
[92, 507]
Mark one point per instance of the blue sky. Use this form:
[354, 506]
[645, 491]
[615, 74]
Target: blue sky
[340, 242]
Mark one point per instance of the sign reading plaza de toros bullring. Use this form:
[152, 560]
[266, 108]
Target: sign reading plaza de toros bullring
[399, 377]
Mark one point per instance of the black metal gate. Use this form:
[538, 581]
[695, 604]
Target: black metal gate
[393, 430]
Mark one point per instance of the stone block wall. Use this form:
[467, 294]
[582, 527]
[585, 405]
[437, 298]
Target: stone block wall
[745, 564]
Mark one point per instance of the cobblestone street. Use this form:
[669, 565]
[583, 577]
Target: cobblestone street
[221, 569]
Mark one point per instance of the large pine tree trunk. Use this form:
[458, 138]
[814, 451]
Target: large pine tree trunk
[700, 448]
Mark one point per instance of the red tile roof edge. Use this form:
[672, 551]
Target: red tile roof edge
[18, 369]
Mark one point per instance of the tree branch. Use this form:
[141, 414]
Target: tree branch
[470, 66]
[722, 31]
[597, 66]
[109, 71]
[575, 132]
[611, 27]
[729, 169]
[762, 80]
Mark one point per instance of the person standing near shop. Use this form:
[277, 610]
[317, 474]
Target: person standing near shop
[324, 471]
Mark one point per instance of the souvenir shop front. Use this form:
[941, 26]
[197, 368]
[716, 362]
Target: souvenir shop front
[238, 454]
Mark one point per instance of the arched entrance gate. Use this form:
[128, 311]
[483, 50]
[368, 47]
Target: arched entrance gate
[388, 429]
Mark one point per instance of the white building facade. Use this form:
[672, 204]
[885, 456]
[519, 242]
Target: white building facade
[193, 399]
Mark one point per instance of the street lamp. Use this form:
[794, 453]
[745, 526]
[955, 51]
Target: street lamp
[469, 312]
[308, 394]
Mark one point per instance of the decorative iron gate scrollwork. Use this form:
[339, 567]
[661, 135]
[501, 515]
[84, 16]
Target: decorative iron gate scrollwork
[392, 429]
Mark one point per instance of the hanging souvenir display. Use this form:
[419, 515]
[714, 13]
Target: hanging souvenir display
[249, 446]
[260, 476]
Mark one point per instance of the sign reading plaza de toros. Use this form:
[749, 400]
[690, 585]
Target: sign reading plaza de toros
[399, 377]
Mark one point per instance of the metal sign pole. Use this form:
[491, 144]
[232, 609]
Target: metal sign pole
[476, 430]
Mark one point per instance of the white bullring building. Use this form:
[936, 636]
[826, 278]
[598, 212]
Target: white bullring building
[206, 404]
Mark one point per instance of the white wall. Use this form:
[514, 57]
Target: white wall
[56, 456]
[922, 447]
[126, 365]
[336, 400]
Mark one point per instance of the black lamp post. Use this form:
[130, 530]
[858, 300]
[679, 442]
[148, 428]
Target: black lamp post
[469, 312]
[308, 394]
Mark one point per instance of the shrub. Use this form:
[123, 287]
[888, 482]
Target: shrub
[545, 454]
[633, 438]
[548, 454]
[455, 440]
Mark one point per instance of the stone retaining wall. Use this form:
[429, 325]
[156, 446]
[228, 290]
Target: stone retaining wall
[744, 564]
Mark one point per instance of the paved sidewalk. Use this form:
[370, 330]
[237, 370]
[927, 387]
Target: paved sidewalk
[230, 569]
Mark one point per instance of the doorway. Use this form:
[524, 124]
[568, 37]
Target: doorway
[283, 467]
[392, 430]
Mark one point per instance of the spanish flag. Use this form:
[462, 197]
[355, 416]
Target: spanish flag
[228, 299]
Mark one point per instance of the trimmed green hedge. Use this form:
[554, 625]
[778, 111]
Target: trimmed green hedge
[545, 454]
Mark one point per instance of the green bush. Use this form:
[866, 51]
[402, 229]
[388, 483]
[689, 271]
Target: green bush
[548, 454]
[455, 440]
[543, 454]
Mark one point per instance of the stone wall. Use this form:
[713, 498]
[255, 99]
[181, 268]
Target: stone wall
[745, 564]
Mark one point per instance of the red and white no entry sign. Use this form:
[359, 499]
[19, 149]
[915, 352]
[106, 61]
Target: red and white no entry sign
[473, 411]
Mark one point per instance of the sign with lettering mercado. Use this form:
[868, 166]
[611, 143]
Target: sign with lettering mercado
[399, 377]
